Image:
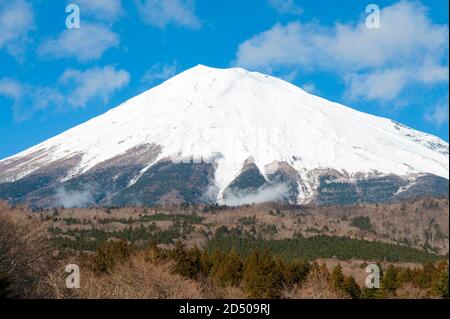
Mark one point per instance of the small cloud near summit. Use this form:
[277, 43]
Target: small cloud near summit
[286, 7]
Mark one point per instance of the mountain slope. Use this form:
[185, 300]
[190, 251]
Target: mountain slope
[306, 148]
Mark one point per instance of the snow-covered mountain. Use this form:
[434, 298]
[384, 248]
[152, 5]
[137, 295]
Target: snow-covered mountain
[231, 136]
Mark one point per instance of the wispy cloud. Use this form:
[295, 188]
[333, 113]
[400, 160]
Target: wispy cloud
[310, 88]
[286, 6]
[74, 199]
[384, 85]
[161, 13]
[107, 10]
[263, 195]
[438, 115]
[10, 88]
[75, 89]
[159, 72]
[16, 21]
[93, 84]
[87, 43]
[281, 46]
[28, 99]
[377, 64]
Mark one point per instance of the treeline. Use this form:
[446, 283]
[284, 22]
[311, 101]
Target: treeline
[311, 248]
[246, 241]
[192, 219]
[91, 239]
[363, 223]
[260, 274]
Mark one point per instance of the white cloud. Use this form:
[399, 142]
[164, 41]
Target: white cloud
[286, 6]
[74, 199]
[310, 88]
[16, 21]
[405, 34]
[377, 64]
[280, 46]
[161, 13]
[159, 72]
[108, 10]
[75, 89]
[85, 44]
[271, 193]
[431, 73]
[28, 99]
[384, 85]
[44, 97]
[10, 88]
[438, 116]
[290, 76]
[93, 84]
[387, 84]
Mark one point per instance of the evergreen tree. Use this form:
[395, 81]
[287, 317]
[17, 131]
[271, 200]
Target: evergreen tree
[261, 278]
[188, 263]
[284, 272]
[423, 277]
[350, 287]
[206, 264]
[337, 278]
[389, 282]
[371, 293]
[439, 284]
[109, 254]
[299, 270]
[404, 275]
[228, 272]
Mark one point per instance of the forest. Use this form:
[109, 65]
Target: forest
[208, 252]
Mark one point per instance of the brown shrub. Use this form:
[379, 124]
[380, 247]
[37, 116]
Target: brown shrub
[317, 286]
[213, 290]
[409, 291]
[139, 278]
[25, 252]
[230, 293]
[108, 256]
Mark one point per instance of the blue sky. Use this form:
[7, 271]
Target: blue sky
[53, 78]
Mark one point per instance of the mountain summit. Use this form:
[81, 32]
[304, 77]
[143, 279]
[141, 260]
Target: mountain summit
[228, 136]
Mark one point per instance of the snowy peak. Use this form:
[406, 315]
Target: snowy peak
[223, 118]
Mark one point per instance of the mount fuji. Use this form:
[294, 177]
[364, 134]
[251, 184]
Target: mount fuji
[233, 137]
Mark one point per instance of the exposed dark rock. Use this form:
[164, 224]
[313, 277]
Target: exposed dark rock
[334, 191]
[426, 185]
[249, 179]
[114, 183]
[168, 183]
[102, 181]
[287, 175]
